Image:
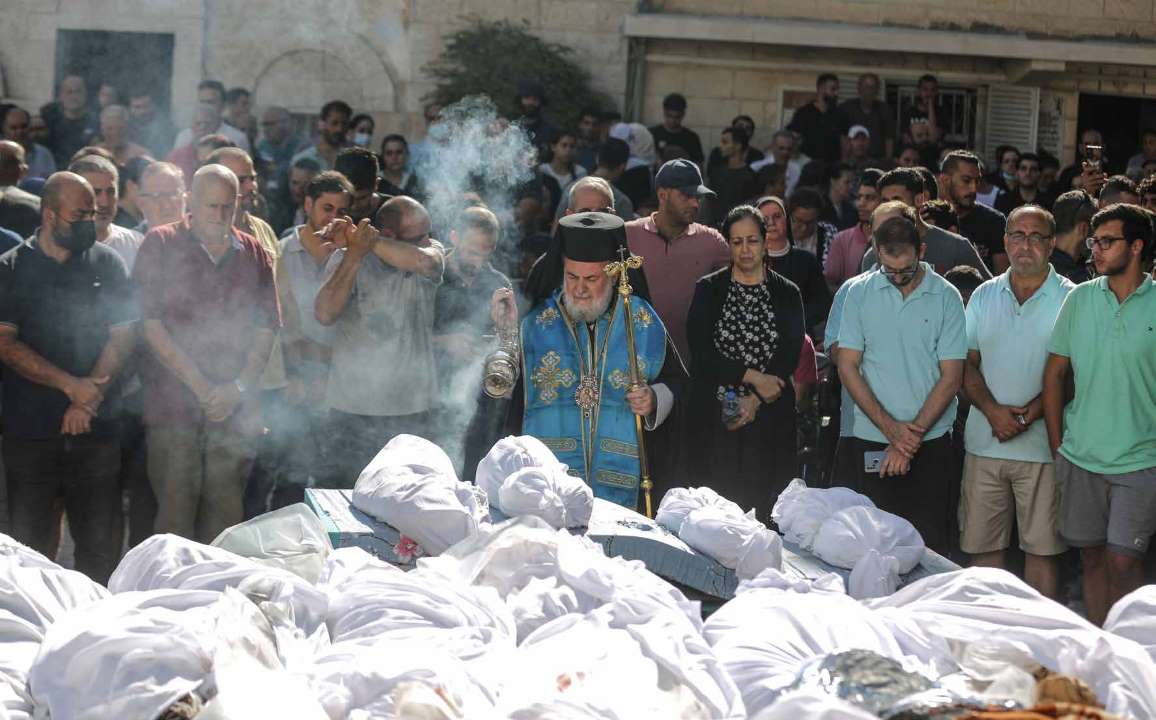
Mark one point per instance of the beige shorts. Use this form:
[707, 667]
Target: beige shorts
[992, 490]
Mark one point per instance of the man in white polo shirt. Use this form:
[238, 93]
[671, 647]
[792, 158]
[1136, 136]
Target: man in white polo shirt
[1008, 465]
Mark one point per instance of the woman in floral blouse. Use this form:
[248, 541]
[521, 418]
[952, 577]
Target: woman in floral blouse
[745, 328]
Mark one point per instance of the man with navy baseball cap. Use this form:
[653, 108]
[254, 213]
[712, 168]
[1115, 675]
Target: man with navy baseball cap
[677, 249]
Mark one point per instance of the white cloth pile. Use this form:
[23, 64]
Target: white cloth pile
[521, 476]
[1134, 617]
[411, 485]
[845, 529]
[34, 594]
[718, 527]
[593, 631]
[980, 630]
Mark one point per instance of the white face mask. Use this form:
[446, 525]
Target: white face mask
[361, 139]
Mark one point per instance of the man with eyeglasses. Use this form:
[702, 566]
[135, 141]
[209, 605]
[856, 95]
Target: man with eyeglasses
[162, 195]
[1007, 468]
[1104, 439]
[944, 249]
[379, 297]
[902, 344]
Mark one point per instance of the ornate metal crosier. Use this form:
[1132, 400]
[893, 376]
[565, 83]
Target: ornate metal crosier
[619, 268]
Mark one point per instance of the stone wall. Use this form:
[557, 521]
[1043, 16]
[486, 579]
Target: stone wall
[302, 53]
[1060, 18]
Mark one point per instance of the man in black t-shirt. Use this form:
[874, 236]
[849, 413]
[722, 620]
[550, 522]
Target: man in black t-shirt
[461, 326]
[672, 131]
[66, 328]
[70, 126]
[820, 122]
[982, 225]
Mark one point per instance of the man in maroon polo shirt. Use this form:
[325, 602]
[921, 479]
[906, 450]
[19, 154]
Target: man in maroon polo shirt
[677, 251]
[209, 313]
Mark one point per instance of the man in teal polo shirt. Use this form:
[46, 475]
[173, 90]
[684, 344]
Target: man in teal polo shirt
[1008, 467]
[1106, 436]
[902, 345]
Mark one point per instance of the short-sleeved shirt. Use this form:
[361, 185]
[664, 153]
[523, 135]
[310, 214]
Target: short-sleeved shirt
[845, 254]
[903, 340]
[822, 132]
[673, 268]
[126, 242]
[311, 153]
[685, 138]
[383, 357]
[1110, 425]
[1012, 341]
[831, 337]
[463, 307]
[64, 312]
[879, 121]
[210, 309]
[303, 277]
[984, 227]
[1068, 266]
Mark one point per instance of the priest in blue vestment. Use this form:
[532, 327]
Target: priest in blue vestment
[575, 393]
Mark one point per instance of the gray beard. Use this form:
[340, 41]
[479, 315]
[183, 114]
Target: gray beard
[588, 313]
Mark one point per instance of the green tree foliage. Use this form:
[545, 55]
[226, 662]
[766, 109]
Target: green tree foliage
[494, 57]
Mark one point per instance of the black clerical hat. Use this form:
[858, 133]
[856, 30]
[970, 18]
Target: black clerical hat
[592, 236]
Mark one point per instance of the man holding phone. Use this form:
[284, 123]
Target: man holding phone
[902, 346]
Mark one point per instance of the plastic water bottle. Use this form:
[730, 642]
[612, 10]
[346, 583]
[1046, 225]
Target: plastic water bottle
[730, 406]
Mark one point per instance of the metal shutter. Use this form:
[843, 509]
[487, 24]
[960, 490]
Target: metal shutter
[1013, 115]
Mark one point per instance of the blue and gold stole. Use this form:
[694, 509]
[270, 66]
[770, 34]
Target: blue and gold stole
[576, 391]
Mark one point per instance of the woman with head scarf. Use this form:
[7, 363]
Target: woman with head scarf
[795, 264]
[638, 180]
[745, 329]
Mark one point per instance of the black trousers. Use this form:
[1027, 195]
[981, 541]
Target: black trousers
[84, 472]
[354, 440]
[923, 496]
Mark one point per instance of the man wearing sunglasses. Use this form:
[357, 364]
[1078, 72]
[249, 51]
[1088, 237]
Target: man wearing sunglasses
[901, 350]
[1104, 440]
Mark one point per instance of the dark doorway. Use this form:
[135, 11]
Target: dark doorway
[1120, 120]
[128, 60]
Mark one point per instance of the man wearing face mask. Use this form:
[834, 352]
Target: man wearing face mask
[902, 344]
[66, 327]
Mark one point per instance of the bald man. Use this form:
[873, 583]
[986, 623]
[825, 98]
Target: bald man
[209, 315]
[379, 297]
[66, 328]
[19, 210]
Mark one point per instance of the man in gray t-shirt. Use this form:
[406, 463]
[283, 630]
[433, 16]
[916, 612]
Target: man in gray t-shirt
[379, 297]
[944, 250]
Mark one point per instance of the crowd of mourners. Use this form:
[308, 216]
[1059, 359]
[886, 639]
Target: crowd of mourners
[195, 326]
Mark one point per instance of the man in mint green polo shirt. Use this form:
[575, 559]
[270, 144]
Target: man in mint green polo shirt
[1007, 469]
[1105, 336]
[902, 345]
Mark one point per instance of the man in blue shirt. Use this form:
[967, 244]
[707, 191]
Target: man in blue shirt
[902, 345]
[1008, 466]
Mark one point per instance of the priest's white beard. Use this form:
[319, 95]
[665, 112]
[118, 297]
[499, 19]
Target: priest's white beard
[588, 311]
